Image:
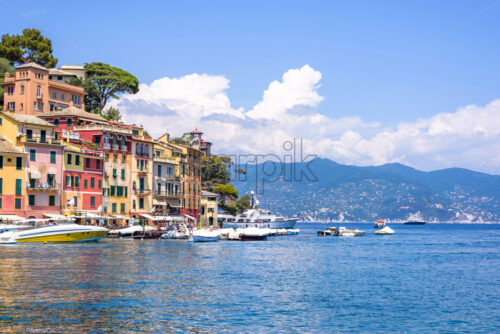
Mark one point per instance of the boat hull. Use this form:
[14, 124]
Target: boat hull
[245, 237]
[66, 237]
[64, 233]
[199, 238]
[286, 224]
[414, 223]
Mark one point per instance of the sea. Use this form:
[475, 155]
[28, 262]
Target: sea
[435, 278]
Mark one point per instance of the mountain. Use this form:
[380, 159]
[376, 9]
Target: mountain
[323, 190]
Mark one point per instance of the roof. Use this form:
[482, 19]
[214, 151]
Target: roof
[208, 193]
[6, 146]
[56, 71]
[72, 67]
[32, 64]
[73, 111]
[196, 131]
[29, 119]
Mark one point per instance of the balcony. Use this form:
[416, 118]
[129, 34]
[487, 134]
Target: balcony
[39, 139]
[106, 146]
[39, 96]
[142, 192]
[168, 194]
[124, 148]
[43, 186]
[116, 147]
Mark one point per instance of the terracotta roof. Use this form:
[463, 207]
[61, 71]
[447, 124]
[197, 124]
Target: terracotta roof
[6, 146]
[32, 64]
[73, 111]
[208, 193]
[56, 71]
[29, 119]
[196, 131]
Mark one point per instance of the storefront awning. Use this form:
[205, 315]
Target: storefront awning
[145, 215]
[159, 202]
[190, 217]
[174, 203]
[55, 216]
[10, 218]
[169, 218]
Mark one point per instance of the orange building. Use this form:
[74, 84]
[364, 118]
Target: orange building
[32, 91]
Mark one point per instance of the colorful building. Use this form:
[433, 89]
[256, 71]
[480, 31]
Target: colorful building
[141, 175]
[209, 208]
[196, 141]
[167, 191]
[32, 91]
[43, 168]
[12, 178]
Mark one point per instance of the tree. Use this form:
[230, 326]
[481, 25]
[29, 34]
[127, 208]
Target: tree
[91, 99]
[30, 46]
[215, 170]
[243, 203]
[230, 208]
[112, 114]
[182, 140]
[105, 82]
[226, 190]
[4, 68]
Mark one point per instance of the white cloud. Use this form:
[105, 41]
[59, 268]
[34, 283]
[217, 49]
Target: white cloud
[469, 137]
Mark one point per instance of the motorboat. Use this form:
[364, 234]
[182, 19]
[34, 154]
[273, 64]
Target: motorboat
[176, 232]
[379, 223]
[67, 232]
[385, 231]
[130, 231]
[342, 232]
[204, 235]
[415, 219]
[254, 233]
[256, 217]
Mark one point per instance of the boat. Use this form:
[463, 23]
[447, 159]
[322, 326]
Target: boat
[385, 231]
[67, 232]
[256, 217]
[415, 219]
[379, 223]
[341, 232]
[130, 231]
[205, 235]
[254, 233]
[176, 232]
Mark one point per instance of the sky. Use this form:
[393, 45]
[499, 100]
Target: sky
[361, 82]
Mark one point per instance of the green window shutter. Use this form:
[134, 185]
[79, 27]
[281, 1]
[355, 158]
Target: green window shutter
[31, 199]
[0, 202]
[72, 180]
[85, 184]
[52, 200]
[122, 208]
[100, 184]
[32, 155]
[113, 207]
[53, 157]
[92, 182]
[123, 174]
[1, 185]
[114, 172]
[19, 185]
[17, 204]
[126, 190]
[104, 191]
[77, 181]
[112, 190]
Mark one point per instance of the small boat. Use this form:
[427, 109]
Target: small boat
[204, 235]
[150, 234]
[342, 232]
[130, 231]
[385, 231]
[252, 233]
[176, 232]
[379, 223]
[56, 233]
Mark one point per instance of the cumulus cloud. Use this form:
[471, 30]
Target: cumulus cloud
[289, 108]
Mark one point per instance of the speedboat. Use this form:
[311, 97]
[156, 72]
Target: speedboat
[176, 232]
[342, 232]
[57, 233]
[253, 233]
[129, 231]
[385, 231]
[204, 235]
[415, 219]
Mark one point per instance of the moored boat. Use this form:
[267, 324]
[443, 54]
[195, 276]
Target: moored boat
[204, 235]
[252, 233]
[385, 231]
[379, 223]
[57, 233]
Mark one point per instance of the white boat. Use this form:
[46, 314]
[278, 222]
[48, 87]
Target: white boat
[256, 217]
[385, 231]
[254, 233]
[379, 223]
[176, 232]
[57, 233]
[129, 231]
[204, 235]
[12, 227]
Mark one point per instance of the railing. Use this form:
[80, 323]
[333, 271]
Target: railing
[124, 148]
[116, 147]
[39, 96]
[104, 128]
[142, 191]
[38, 139]
[168, 193]
[43, 186]
[106, 146]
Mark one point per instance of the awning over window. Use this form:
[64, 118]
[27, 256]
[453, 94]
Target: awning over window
[10, 218]
[174, 203]
[35, 175]
[145, 215]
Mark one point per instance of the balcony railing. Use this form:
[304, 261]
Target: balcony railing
[116, 147]
[39, 96]
[38, 139]
[40, 186]
[106, 146]
[142, 192]
[165, 193]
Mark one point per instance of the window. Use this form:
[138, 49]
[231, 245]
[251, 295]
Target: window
[69, 122]
[52, 200]
[134, 204]
[123, 174]
[126, 191]
[141, 203]
[18, 204]
[54, 95]
[1, 161]
[22, 107]
[92, 182]
[122, 208]
[75, 201]
[115, 158]
[77, 181]
[119, 191]
[29, 134]
[113, 207]
[92, 201]
[87, 163]
[159, 170]
[68, 181]
[63, 97]
[31, 200]
[69, 159]
[85, 184]
[38, 91]
[1, 185]
[56, 122]
[137, 149]
[52, 157]
[115, 140]
[0, 202]
[22, 89]
[112, 190]
[32, 155]
[100, 184]
[19, 185]
[19, 163]
[77, 160]
[158, 188]
[114, 172]
[124, 159]
[34, 105]
[98, 164]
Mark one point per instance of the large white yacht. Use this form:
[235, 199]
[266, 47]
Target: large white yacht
[256, 217]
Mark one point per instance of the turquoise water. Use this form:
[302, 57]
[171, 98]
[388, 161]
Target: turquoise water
[431, 278]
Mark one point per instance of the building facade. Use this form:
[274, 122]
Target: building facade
[209, 209]
[12, 177]
[167, 191]
[141, 175]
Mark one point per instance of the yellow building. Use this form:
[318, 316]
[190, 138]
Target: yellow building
[209, 208]
[141, 176]
[12, 176]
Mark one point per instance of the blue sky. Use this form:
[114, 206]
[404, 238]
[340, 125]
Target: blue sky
[382, 61]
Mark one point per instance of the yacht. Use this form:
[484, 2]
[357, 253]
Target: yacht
[385, 231]
[415, 219]
[205, 235]
[256, 217]
[67, 232]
